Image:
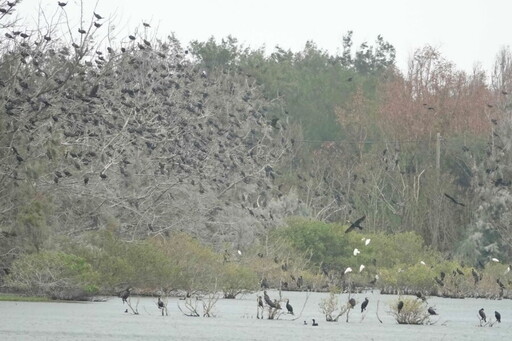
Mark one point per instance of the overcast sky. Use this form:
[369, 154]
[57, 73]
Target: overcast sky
[465, 31]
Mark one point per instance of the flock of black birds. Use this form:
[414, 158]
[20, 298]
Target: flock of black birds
[140, 116]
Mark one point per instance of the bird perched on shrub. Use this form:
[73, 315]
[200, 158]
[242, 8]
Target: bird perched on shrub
[482, 315]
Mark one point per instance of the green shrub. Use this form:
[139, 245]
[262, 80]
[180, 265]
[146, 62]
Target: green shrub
[53, 274]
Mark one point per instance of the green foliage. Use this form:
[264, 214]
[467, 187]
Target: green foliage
[197, 266]
[53, 274]
[32, 224]
[235, 279]
[121, 263]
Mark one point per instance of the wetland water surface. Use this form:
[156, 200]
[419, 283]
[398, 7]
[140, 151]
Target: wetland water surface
[236, 320]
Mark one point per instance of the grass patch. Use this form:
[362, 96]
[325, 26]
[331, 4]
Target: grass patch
[20, 298]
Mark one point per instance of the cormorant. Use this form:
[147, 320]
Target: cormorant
[420, 296]
[260, 302]
[125, 294]
[289, 307]
[268, 300]
[454, 200]
[355, 224]
[364, 304]
[315, 323]
[400, 306]
[161, 304]
[482, 315]
[431, 311]
[498, 316]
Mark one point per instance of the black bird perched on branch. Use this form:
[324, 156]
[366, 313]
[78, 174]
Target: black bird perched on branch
[355, 224]
[420, 296]
[268, 301]
[498, 316]
[99, 17]
[431, 311]
[161, 304]
[364, 304]
[260, 302]
[62, 4]
[125, 294]
[455, 201]
[482, 315]
[400, 306]
[352, 302]
[289, 307]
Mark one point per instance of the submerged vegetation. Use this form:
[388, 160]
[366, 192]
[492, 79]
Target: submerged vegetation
[215, 167]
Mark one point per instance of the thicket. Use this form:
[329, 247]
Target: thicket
[109, 151]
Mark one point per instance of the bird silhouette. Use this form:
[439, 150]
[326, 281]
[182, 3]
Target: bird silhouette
[62, 4]
[400, 306]
[99, 17]
[314, 323]
[431, 311]
[161, 304]
[482, 315]
[289, 307]
[352, 302]
[364, 304]
[355, 224]
[125, 294]
[268, 301]
[498, 316]
[260, 302]
[455, 201]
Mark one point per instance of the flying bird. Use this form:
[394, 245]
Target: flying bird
[455, 201]
[364, 304]
[355, 224]
[482, 315]
[498, 316]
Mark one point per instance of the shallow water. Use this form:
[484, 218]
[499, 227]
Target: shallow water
[236, 320]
